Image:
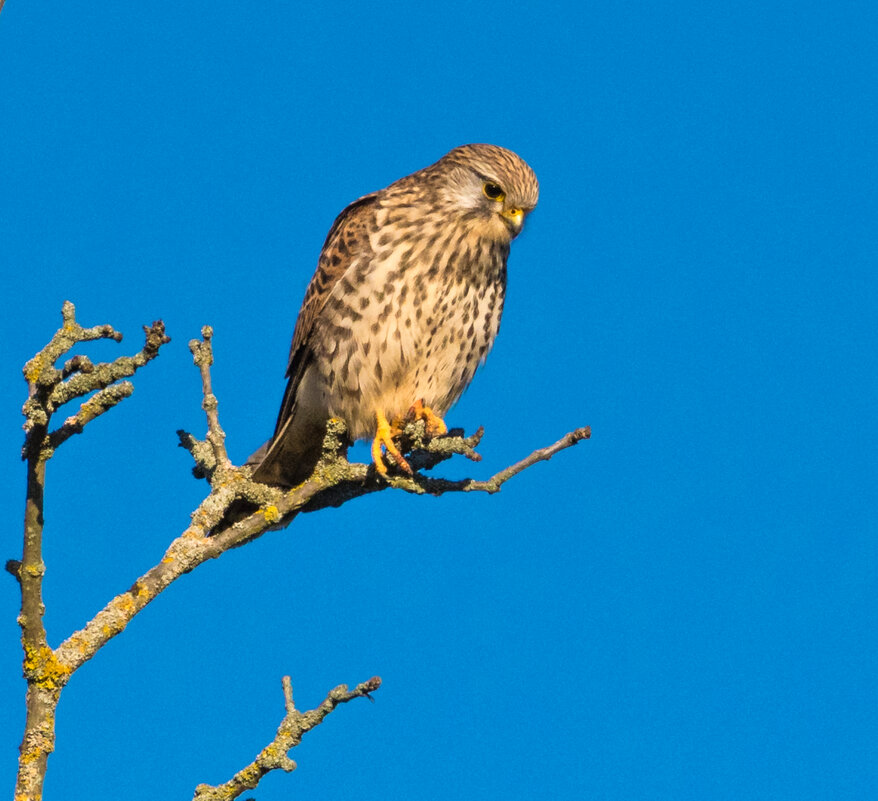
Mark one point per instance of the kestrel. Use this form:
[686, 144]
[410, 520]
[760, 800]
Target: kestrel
[403, 307]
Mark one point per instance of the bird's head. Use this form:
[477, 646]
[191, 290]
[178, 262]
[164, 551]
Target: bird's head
[491, 187]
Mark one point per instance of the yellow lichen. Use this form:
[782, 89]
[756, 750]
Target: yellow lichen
[125, 603]
[271, 514]
[42, 667]
[251, 772]
[33, 368]
[88, 411]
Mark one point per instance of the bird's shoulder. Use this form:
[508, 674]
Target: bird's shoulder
[347, 241]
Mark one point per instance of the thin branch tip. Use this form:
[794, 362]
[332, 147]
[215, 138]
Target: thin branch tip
[368, 687]
[287, 685]
[155, 336]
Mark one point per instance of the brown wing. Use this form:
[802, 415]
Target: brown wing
[290, 455]
[348, 239]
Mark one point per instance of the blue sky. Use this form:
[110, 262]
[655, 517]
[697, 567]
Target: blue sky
[681, 608]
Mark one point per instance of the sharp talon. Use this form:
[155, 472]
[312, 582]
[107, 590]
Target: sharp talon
[384, 436]
[434, 424]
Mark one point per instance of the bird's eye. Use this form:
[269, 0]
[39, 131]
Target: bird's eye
[493, 192]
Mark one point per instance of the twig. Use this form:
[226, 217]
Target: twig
[494, 483]
[95, 406]
[289, 734]
[203, 356]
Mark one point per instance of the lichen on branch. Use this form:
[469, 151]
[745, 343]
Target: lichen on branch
[45, 669]
[236, 510]
[289, 734]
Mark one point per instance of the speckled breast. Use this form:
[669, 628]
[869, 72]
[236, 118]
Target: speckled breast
[417, 324]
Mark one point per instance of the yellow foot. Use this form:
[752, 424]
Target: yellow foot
[384, 436]
[435, 425]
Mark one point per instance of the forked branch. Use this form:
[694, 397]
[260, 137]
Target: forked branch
[334, 481]
[289, 734]
[49, 388]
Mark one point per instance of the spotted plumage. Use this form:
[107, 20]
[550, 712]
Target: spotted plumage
[403, 307]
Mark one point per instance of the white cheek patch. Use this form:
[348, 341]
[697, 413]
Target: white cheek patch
[464, 198]
[465, 193]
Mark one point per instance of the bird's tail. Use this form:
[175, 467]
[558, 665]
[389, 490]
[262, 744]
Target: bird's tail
[290, 456]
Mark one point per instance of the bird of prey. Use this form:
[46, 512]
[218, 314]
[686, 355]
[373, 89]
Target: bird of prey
[403, 307]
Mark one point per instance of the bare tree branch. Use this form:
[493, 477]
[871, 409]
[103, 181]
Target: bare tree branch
[333, 482]
[48, 389]
[211, 532]
[95, 406]
[289, 734]
[494, 483]
[203, 356]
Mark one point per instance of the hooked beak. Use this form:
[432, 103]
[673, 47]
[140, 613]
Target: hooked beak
[515, 218]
